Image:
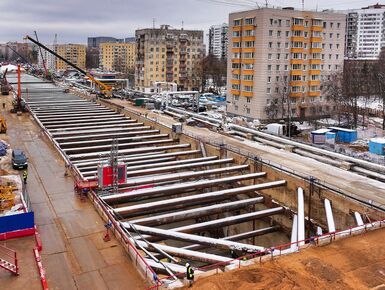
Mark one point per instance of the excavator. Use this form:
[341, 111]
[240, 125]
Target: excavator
[105, 90]
[5, 87]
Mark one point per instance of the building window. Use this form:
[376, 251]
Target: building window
[248, 77]
[286, 56]
[278, 45]
[287, 33]
[278, 33]
[235, 86]
[277, 67]
[270, 32]
[338, 25]
[331, 24]
[269, 56]
[236, 107]
[277, 78]
[338, 35]
[271, 21]
[248, 66]
[269, 67]
[236, 44]
[247, 110]
[278, 56]
[286, 45]
[237, 22]
[287, 23]
[330, 35]
[236, 33]
[268, 80]
[270, 45]
[248, 88]
[249, 21]
[249, 32]
[268, 90]
[336, 56]
[286, 67]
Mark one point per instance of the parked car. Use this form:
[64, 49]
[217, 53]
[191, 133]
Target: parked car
[19, 160]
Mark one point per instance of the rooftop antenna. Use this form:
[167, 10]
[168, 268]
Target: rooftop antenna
[153, 23]
[266, 3]
[182, 24]
[303, 5]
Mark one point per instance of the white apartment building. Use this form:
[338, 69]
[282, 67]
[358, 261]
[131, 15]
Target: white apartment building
[365, 32]
[50, 60]
[218, 40]
[276, 52]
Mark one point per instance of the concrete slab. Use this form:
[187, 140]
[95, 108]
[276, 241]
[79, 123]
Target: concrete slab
[87, 255]
[58, 268]
[90, 281]
[119, 277]
[51, 239]
[81, 222]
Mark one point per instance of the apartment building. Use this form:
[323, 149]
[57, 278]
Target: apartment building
[168, 55]
[49, 59]
[277, 58]
[75, 53]
[218, 40]
[119, 57]
[365, 32]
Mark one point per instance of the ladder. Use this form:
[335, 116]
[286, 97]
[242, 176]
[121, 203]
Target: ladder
[8, 260]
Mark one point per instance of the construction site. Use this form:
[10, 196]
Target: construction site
[125, 196]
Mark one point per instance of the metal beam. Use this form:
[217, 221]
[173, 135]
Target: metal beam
[175, 203]
[227, 221]
[238, 237]
[124, 152]
[173, 235]
[187, 254]
[102, 130]
[196, 212]
[177, 188]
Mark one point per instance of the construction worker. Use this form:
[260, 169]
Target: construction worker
[25, 175]
[189, 274]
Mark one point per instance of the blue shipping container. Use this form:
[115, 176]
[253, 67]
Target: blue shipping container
[377, 146]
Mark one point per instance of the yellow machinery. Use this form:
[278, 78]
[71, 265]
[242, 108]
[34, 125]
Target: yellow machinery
[105, 90]
[7, 197]
[3, 125]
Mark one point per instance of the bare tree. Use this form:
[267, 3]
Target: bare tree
[380, 78]
[333, 91]
[279, 106]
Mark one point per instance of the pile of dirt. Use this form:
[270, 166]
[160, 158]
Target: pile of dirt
[353, 263]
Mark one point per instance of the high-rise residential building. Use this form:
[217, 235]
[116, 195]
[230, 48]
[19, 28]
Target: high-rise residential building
[277, 58]
[118, 57]
[75, 53]
[96, 41]
[12, 51]
[218, 40]
[365, 32]
[168, 55]
[49, 59]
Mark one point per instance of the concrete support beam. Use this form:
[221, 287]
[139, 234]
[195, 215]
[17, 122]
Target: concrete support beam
[196, 212]
[175, 203]
[173, 235]
[176, 188]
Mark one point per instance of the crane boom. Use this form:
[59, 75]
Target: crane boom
[105, 89]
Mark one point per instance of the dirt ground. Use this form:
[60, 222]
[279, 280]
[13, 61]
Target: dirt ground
[352, 263]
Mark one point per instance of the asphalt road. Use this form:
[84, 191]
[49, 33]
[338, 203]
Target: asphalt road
[74, 253]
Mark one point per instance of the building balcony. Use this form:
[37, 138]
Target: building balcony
[314, 94]
[237, 28]
[314, 83]
[235, 92]
[297, 38]
[316, 50]
[236, 60]
[296, 83]
[297, 27]
[247, 94]
[236, 49]
[296, 94]
[235, 82]
[297, 50]
[316, 39]
[315, 61]
[316, 28]
[248, 60]
[314, 71]
[297, 61]
[296, 72]
[248, 38]
[236, 39]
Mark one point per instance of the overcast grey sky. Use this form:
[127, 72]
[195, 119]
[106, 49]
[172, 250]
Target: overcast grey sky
[75, 20]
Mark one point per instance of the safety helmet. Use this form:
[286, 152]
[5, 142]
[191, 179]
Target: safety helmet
[187, 264]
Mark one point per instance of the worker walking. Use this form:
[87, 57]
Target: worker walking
[25, 175]
[189, 274]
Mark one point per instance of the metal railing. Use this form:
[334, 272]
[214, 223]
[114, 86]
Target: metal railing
[270, 253]
[10, 256]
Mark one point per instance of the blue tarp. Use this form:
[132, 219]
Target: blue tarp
[16, 222]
